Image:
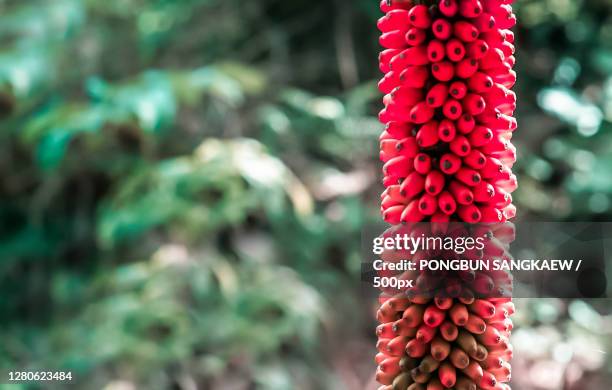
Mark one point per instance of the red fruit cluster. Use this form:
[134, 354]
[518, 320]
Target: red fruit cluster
[451, 330]
[443, 343]
[448, 110]
[448, 157]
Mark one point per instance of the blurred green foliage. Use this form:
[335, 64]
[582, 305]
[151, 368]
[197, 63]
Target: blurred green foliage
[183, 183]
[565, 68]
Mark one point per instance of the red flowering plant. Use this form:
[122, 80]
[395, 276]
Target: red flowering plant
[448, 157]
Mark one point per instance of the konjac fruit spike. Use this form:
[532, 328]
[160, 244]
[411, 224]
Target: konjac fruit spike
[447, 156]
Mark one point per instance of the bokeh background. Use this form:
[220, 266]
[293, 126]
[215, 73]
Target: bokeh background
[183, 186]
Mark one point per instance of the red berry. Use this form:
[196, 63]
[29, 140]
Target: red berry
[455, 51]
[494, 38]
[434, 183]
[492, 215]
[465, 31]
[397, 166]
[448, 7]
[406, 96]
[435, 51]
[398, 130]
[468, 176]
[452, 109]
[466, 68]
[393, 20]
[388, 147]
[415, 36]
[437, 95]
[442, 29]
[446, 130]
[385, 57]
[446, 203]
[466, 123]
[484, 22]
[475, 159]
[393, 39]
[433, 316]
[470, 8]
[414, 76]
[443, 71]
[492, 168]
[494, 58]
[427, 135]
[428, 204]
[421, 113]
[413, 185]
[477, 49]
[416, 55]
[412, 213]
[408, 147]
[483, 192]
[448, 375]
[458, 89]
[469, 213]
[460, 146]
[387, 83]
[480, 82]
[450, 164]
[422, 163]
[504, 17]
[473, 104]
[419, 16]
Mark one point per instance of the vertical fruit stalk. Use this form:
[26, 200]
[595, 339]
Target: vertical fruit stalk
[448, 156]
